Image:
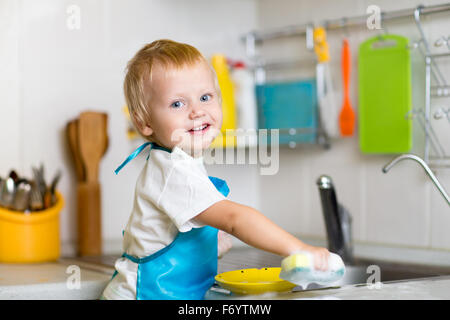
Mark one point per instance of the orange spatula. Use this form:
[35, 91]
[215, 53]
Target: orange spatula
[347, 116]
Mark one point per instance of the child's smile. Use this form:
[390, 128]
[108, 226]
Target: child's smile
[200, 130]
[185, 108]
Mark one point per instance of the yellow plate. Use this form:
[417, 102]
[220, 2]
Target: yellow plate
[254, 281]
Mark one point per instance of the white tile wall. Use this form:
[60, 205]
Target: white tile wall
[439, 215]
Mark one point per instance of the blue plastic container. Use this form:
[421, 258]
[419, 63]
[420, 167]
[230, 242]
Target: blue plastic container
[289, 105]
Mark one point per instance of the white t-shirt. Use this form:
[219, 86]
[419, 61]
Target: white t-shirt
[171, 190]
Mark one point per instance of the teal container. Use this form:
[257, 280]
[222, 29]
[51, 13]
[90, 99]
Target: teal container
[287, 106]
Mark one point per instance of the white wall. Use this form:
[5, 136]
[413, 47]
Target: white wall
[9, 85]
[50, 74]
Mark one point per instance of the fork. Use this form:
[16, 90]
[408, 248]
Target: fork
[36, 201]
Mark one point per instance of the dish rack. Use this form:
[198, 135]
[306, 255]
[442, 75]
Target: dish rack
[437, 87]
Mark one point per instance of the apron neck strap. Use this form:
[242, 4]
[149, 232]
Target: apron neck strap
[139, 150]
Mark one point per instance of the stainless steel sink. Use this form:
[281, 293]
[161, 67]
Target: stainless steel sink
[366, 272]
[362, 272]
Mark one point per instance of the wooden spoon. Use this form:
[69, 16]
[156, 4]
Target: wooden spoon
[92, 142]
[72, 137]
[105, 126]
[89, 219]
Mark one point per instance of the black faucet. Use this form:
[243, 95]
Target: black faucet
[337, 221]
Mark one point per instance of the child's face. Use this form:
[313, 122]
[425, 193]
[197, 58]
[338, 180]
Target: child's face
[179, 101]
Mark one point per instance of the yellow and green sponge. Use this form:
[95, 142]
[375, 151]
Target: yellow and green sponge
[298, 268]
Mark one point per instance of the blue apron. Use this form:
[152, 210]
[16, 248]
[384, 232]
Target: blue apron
[185, 269]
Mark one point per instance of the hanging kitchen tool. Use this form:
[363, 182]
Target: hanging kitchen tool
[325, 93]
[92, 142]
[384, 95]
[347, 116]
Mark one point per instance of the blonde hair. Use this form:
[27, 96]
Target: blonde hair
[167, 52]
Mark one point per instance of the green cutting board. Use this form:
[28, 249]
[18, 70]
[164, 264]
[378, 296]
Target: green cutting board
[384, 67]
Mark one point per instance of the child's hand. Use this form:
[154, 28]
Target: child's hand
[224, 243]
[320, 256]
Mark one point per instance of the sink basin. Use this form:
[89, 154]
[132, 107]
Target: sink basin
[362, 272]
[366, 272]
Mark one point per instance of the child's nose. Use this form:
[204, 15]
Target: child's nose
[196, 112]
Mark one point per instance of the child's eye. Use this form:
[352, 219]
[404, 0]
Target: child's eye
[205, 97]
[177, 104]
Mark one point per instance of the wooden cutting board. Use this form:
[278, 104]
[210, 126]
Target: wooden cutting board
[384, 95]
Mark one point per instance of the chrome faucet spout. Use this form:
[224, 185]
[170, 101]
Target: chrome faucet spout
[337, 221]
[427, 169]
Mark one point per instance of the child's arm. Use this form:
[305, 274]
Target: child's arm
[253, 228]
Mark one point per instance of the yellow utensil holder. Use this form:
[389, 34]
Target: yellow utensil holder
[30, 237]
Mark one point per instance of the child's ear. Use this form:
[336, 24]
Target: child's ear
[144, 128]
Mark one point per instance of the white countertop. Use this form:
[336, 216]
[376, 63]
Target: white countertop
[436, 288]
[48, 281]
[54, 281]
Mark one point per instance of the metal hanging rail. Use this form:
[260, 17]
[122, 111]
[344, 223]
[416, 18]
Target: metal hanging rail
[439, 89]
[334, 24]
